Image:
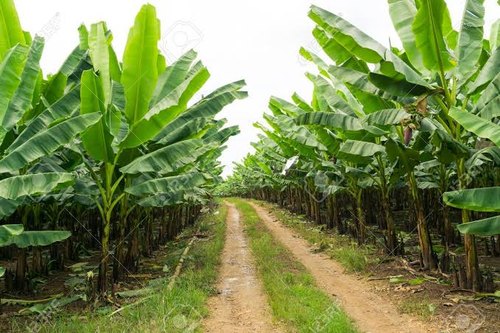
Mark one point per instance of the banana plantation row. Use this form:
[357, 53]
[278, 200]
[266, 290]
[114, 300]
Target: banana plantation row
[104, 154]
[396, 141]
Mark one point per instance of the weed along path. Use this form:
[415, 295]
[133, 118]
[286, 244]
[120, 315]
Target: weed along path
[241, 304]
[370, 311]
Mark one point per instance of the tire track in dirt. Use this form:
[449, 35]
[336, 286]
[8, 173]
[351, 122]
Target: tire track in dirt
[241, 305]
[371, 312]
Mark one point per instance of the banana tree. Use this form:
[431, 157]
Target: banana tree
[442, 74]
[28, 136]
[14, 234]
[478, 199]
[356, 126]
[146, 126]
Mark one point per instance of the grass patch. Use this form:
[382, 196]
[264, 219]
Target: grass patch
[349, 254]
[179, 310]
[294, 298]
[422, 307]
[350, 257]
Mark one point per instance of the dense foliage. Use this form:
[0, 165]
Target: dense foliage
[113, 152]
[391, 130]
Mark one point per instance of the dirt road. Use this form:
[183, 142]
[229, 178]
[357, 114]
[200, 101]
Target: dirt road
[241, 305]
[371, 312]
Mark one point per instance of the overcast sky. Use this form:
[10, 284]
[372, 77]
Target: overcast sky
[253, 40]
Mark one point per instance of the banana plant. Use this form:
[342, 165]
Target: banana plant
[396, 111]
[24, 141]
[147, 127]
[35, 123]
[477, 199]
[439, 76]
[14, 234]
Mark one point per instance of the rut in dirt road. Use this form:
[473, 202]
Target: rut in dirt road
[241, 305]
[371, 312]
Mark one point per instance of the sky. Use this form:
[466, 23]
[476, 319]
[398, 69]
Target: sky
[254, 40]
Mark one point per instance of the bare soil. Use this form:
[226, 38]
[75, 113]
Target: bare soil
[371, 311]
[241, 304]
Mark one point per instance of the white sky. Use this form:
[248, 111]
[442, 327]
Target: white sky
[253, 40]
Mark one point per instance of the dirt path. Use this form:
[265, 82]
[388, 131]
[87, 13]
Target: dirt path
[241, 305]
[370, 311]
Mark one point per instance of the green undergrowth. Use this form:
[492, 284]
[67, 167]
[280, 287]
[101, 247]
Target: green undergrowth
[179, 310]
[348, 253]
[419, 306]
[296, 302]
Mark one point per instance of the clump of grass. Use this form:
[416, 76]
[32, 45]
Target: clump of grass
[351, 257]
[178, 310]
[294, 298]
[417, 306]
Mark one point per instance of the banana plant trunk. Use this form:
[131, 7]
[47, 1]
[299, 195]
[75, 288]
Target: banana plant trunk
[360, 215]
[21, 266]
[104, 263]
[428, 258]
[392, 246]
[474, 279]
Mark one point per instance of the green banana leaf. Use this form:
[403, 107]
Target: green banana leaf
[403, 14]
[328, 99]
[359, 152]
[488, 104]
[139, 58]
[34, 184]
[46, 142]
[167, 185]
[183, 131]
[487, 74]
[407, 157]
[11, 69]
[470, 40]
[23, 97]
[477, 199]
[351, 38]
[9, 230]
[166, 159]
[8, 207]
[332, 120]
[96, 139]
[207, 108]
[386, 117]
[223, 135]
[173, 76]
[36, 238]
[332, 48]
[11, 32]
[66, 106]
[486, 227]
[477, 125]
[431, 27]
[495, 35]
[99, 46]
[166, 110]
